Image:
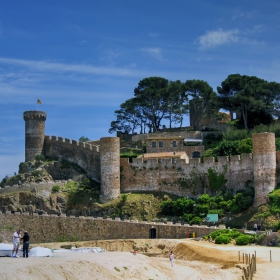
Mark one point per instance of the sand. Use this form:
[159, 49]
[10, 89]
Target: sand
[193, 260]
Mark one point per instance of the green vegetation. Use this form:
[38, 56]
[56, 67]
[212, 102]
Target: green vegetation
[222, 203]
[6, 228]
[225, 236]
[83, 139]
[55, 188]
[62, 238]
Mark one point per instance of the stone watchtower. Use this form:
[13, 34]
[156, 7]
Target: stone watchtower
[109, 168]
[34, 133]
[264, 159]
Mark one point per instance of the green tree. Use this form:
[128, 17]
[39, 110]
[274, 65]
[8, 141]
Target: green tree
[248, 94]
[177, 103]
[202, 100]
[83, 139]
[152, 96]
[245, 146]
[128, 117]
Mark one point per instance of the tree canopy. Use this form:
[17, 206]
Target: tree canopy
[249, 95]
[158, 101]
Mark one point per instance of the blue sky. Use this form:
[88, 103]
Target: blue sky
[84, 58]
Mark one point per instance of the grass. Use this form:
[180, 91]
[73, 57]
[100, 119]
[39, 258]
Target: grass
[7, 228]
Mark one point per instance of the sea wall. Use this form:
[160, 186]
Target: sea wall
[170, 175]
[52, 228]
[84, 155]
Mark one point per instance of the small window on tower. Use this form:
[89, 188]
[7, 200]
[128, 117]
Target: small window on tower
[154, 144]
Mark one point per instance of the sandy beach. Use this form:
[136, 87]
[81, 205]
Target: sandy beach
[193, 260]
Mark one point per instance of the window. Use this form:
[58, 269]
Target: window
[174, 143]
[196, 154]
[160, 144]
[154, 144]
[174, 160]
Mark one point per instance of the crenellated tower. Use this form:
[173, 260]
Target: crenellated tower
[34, 133]
[109, 168]
[264, 160]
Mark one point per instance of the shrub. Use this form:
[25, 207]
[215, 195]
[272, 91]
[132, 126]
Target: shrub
[243, 240]
[188, 217]
[222, 239]
[196, 220]
[234, 233]
[40, 158]
[62, 239]
[55, 188]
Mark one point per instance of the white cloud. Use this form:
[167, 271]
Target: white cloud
[154, 52]
[77, 68]
[216, 38]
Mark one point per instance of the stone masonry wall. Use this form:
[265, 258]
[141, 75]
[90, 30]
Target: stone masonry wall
[167, 176]
[50, 228]
[110, 168]
[264, 166]
[84, 155]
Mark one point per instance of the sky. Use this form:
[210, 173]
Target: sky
[84, 58]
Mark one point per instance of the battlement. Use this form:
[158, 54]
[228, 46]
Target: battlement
[33, 115]
[54, 139]
[170, 160]
[92, 228]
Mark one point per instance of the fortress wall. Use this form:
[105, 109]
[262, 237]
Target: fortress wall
[84, 155]
[165, 174]
[50, 228]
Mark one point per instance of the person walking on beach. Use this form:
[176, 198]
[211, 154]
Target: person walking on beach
[16, 242]
[171, 258]
[25, 240]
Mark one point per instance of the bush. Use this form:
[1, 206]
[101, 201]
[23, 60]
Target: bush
[196, 221]
[243, 239]
[40, 158]
[55, 188]
[222, 239]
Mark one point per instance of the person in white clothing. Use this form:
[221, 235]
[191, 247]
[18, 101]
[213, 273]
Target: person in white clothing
[16, 242]
[171, 257]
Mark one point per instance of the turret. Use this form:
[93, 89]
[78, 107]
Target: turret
[109, 168]
[34, 133]
[264, 159]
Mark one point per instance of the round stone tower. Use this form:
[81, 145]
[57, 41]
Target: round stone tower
[109, 168]
[264, 159]
[34, 133]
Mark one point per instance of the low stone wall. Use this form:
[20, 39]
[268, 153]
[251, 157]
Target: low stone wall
[52, 228]
[32, 187]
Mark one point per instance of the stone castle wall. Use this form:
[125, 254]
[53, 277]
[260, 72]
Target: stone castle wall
[84, 155]
[51, 228]
[168, 175]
